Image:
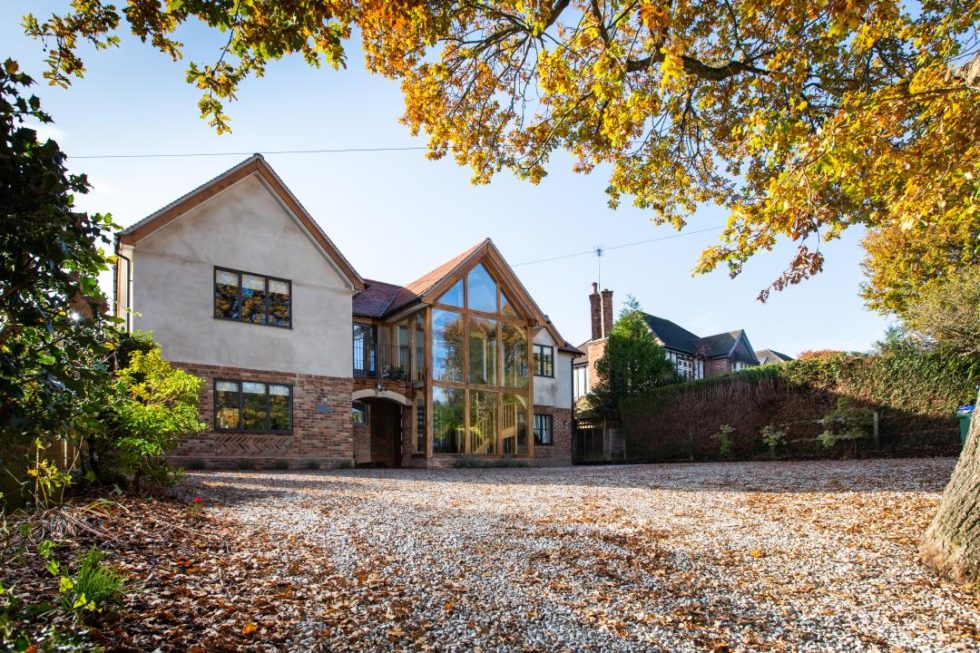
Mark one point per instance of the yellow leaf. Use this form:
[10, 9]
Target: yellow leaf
[757, 553]
[249, 628]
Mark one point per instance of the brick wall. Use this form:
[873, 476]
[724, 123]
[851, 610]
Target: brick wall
[716, 366]
[326, 439]
[559, 453]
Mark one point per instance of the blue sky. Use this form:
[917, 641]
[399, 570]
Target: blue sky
[396, 215]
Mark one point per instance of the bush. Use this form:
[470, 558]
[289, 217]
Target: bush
[153, 406]
[196, 465]
[281, 465]
[846, 423]
[245, 465]
[311, 464]
[726, 447]
[773, 437]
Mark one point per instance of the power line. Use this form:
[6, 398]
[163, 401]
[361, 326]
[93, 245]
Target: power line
[162, 155]
[603, 250]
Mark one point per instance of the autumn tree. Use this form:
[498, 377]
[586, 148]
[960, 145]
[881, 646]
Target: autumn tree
[632, 363]
[800, 118]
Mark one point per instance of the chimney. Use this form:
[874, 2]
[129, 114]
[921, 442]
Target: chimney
[607, 312]
[594, 301]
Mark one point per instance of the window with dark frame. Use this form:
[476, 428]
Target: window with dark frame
[251, 406]
[253, 298]
[543, 433]
[360, 414]
[544, 360]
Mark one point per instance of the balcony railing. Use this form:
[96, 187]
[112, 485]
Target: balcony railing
[384, 361]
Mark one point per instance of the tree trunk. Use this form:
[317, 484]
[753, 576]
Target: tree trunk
[952, 541]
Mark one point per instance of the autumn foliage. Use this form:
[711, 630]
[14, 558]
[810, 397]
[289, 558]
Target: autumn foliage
[801, 118]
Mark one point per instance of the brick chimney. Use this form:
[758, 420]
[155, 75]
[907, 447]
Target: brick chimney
[607, 312]
[602, 313]
[595, 302]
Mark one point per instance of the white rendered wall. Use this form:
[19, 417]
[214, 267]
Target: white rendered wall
[244, 227]
[555, 392]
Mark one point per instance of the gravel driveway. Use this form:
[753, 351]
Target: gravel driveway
[814, 556]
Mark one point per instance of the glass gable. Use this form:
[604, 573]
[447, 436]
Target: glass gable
[482, 290]
[453, 296]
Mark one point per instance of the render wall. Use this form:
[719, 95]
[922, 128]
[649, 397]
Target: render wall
[557, 391]
[244, 227]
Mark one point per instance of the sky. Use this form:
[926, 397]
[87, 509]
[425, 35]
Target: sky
[396, 215]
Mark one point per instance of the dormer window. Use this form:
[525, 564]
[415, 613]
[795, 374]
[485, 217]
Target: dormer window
[253, 298]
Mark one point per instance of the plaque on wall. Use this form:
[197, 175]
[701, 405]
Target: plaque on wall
[322, 408]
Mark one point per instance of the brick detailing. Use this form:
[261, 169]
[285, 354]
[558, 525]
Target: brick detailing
[594, 351]
[559, 453]
[326, 439]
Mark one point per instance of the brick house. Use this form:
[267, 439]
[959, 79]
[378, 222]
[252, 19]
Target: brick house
[306, 362]
[693, 356]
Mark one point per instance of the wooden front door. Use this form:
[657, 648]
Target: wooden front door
[386, 433]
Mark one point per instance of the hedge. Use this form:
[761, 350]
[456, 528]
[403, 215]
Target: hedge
[914, 392]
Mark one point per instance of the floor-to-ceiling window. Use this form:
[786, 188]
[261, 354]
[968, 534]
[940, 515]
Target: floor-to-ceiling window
[480, 355]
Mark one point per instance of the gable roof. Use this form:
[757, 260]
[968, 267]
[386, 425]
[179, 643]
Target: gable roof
[380, 299]
[771, 356]
[671, 335]
[724, 345]
[254, 165]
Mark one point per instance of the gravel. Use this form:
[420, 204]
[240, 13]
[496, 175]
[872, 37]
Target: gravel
[775, 556]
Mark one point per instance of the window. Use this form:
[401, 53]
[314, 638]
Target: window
[544, 360]
[359, 413]
[447, 346]
[580, 381]
[364, 350]
[543, 429]
[253, 406]
[253, 298]
[448, 420]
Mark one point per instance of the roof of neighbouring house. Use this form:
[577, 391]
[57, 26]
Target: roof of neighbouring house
[672, 335]
[771, 356]
[376, 299]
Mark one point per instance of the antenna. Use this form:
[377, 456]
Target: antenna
[599, 251]
[602, 311]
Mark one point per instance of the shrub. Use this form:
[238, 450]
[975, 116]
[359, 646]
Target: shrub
[726, 447]
[773, 437]
[196, 465]
[153, 406]
[311, 464]
[245, 465]
[281, 465]
[846, 423]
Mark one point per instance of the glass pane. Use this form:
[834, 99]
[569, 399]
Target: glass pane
[513, 425]
[447, 346]
[253, 407]
[279, 408]
[544, 360]
[226, 414]
[404, 347]
[483, 351]
[279, 303]
[505, 306]
[482, 290]
[447, 420]
[359, 413]
[419, 425]
[483, 422]
[226, 299]
[420, 346]
[453, 296]
[542, 429]
[253, 298]
[515, 355]
[363, 350]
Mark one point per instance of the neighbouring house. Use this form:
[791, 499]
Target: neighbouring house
[307, 363]
[771, 356]
[693, 356]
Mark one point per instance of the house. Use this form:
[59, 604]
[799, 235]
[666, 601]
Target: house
[307, 362]
[771, 356]
[693, 356]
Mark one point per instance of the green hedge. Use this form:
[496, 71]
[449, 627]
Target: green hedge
[914, 392]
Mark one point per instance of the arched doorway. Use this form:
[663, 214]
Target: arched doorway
[384, 423]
